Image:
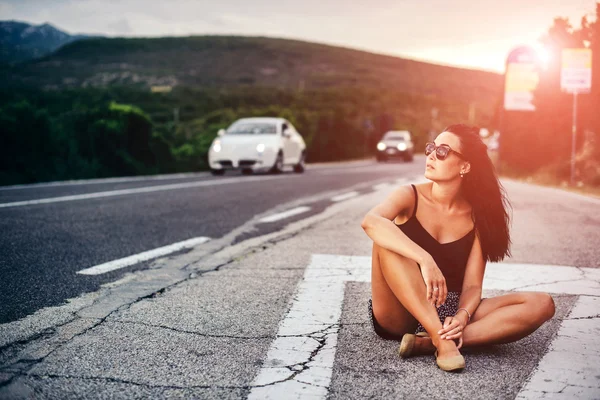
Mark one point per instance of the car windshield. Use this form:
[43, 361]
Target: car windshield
[395, 137]
[252, 128]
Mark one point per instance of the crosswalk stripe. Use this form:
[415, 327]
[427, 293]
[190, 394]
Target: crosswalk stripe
[299, 362]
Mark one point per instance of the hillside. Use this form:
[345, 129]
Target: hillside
[221, 61]
[89, 112]
[20, 41]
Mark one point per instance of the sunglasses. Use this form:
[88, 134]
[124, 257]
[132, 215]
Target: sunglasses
[441, 152]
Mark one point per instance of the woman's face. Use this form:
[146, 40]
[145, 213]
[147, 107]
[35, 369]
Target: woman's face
[449, 168]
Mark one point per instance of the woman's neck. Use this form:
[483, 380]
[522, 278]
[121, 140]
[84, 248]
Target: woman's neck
[446, 194]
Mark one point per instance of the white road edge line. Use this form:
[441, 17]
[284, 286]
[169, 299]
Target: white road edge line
[147, 255]
[96, 181]
[122, 192]
[299, 362]
[344, 196]
[285, 214]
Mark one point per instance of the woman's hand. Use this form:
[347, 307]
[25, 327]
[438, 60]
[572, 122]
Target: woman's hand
[453, 330]
[435, 282]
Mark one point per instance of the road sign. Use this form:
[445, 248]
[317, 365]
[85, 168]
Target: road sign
[576, 70]
[521, 79]
[575, 77]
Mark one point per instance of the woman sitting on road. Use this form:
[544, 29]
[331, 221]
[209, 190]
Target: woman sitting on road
[430, 246]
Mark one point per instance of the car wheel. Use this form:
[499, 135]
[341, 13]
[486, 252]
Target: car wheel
[381, 159]
[247, 171]
[299, 168]
[408, 158]
[217, 172]
[278, 166]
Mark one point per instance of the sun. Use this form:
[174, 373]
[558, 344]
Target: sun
[543, 55]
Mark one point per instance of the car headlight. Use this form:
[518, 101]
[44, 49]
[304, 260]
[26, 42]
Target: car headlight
[217, 146]
[401, 146]
[260, 147]
[381, 146]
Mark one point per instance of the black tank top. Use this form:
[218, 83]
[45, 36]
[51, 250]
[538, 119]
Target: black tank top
[451, 258]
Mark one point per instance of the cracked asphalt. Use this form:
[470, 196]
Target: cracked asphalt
[203, 324]
[42, 246]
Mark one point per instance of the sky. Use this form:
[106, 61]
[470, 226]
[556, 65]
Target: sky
[468, 33]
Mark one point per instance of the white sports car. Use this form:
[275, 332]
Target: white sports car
[257, 144]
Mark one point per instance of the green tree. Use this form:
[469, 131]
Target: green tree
[30, 150]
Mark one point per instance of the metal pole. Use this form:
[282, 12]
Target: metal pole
[573, 138]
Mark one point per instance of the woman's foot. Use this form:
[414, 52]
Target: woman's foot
[447, 356]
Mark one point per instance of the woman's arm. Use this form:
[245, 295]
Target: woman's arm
[470, 296]
[472, 283]
[379, 227]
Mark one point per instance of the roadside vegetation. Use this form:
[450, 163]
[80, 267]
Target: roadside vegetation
[537, 146]
[103, 107]
[114, 107]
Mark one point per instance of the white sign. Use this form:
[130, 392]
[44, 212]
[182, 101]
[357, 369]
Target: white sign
[521, 79]
[576, 71]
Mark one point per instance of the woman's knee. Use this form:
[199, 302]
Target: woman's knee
[544, 303]
[548, 305]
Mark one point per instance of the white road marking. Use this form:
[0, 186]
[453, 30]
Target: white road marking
[299, 363]
[309, 328]
[571, 368]
[147, 255]
[285, 214]
[344, 196]
[381, 186]
[148, 189]
[543, 278]
[97, 181]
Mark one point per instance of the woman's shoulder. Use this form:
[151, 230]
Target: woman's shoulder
[407, 192]
[424, 188]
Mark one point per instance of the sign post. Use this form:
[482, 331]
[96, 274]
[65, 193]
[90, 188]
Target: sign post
[575, 77]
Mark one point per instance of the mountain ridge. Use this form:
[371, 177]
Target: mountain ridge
[21, 41]
[213, 61]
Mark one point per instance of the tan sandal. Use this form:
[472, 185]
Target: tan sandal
[408, 343]
[452, 364]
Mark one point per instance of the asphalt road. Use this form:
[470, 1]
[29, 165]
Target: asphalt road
[42, 246]
[285, 315]
[278, 316]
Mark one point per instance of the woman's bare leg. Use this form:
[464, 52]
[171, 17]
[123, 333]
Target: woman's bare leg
[508, 318]
[402, 277]
[388, 311]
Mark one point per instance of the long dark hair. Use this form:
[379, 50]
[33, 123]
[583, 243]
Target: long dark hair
[482, 189]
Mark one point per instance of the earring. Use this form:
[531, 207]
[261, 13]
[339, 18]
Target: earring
[462, 174]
